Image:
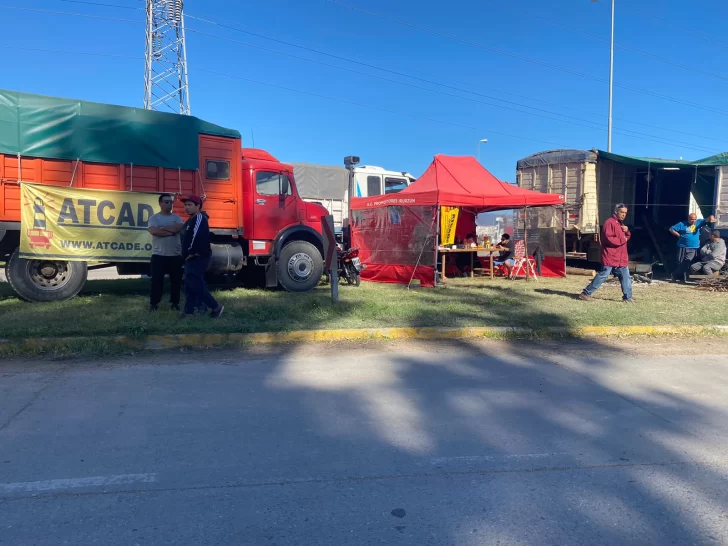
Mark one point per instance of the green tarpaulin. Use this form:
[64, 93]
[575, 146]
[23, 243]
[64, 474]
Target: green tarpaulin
[676, 180]
[55, 128]
[656, 162]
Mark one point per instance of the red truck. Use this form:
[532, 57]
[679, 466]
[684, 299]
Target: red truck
[257, 219]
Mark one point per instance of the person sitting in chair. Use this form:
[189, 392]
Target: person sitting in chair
[505, 258]
[712, 256]
[463, 259]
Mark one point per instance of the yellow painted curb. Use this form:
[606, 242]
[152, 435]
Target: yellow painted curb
[599, 331]
[215, 340]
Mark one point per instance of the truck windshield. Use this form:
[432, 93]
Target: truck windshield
[394, 185]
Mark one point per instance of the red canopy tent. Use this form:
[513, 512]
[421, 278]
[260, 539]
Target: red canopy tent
[461, 182]
[397, 233]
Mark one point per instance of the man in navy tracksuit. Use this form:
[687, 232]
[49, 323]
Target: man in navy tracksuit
[197, 254]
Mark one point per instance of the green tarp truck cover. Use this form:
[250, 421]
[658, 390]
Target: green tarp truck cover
[559, 157]
[656, 162]
[55, 128]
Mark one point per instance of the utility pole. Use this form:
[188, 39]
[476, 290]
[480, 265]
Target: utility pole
[166, 85]
[611, 81]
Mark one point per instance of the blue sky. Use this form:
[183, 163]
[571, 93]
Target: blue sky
[399, 126]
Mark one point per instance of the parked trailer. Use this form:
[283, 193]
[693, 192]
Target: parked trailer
[325, 185]
[257, 218]
[657, 192]
[328, 185]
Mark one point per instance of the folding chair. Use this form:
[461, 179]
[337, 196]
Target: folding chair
[500, 270]
[524, 263]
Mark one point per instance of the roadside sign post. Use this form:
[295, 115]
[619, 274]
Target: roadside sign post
[330, 255]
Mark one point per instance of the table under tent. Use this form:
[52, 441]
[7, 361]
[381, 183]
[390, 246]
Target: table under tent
[399, 235]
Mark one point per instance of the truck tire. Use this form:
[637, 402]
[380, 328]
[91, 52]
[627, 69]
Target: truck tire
[300, 266]
[45, 280]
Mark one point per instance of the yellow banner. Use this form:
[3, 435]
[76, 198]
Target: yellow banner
[85, 225]
[448, 223]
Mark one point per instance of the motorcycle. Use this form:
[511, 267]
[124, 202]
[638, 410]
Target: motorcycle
[349, 266]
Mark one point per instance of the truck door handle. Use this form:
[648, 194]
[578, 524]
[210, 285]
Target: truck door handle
[260, 201]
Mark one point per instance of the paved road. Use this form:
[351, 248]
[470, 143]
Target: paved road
[450, 443]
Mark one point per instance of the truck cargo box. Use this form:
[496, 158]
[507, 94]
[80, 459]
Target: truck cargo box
[658, 193]
[67, 142]
[324, 184]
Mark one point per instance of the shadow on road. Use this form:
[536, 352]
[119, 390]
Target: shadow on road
[607, 463]
[532, 441]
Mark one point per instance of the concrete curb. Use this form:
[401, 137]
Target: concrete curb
[302, 336]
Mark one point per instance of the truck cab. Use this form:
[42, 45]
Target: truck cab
[370, 181]
[282, 231]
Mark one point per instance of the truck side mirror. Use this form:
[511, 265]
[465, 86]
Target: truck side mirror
[285, 185]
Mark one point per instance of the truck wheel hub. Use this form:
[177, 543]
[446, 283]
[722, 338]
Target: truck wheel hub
[300, 267]
[49, 275]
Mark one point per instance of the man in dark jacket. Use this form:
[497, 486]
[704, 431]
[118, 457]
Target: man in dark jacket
[197, 253]
[615, 236]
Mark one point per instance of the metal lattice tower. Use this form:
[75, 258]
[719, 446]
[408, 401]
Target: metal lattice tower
[166, 86]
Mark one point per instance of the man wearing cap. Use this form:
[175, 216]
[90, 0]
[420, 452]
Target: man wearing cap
[688, 243]
[196, 252]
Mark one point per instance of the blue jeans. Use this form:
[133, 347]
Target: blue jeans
[196, 292]
[622, 273]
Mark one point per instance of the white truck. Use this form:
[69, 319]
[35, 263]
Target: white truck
[329, 185]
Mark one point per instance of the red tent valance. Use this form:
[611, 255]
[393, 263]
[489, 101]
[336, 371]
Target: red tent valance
[460, 182]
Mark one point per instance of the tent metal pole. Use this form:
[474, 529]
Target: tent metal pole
[525, 236]
[347, 229]
[563, 236]
[414, 271]
[437, 242]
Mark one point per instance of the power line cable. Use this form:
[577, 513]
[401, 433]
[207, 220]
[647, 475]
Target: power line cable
[594, 125]
[209, 20]
[700, 34]
[103, 4]
[578, 121]
[451, 37]
[519, 11]
[70, 52]
[524, 58]
[308, 93]
[372, 107]
[469, 84]
[84, 15]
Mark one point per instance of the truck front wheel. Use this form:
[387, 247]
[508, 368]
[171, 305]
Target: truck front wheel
[45, 280]
[300, 266]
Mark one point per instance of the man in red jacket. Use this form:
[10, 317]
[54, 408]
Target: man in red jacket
[614, 256]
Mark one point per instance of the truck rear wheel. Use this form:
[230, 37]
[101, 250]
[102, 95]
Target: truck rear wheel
[45, 280]
[300, 266]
